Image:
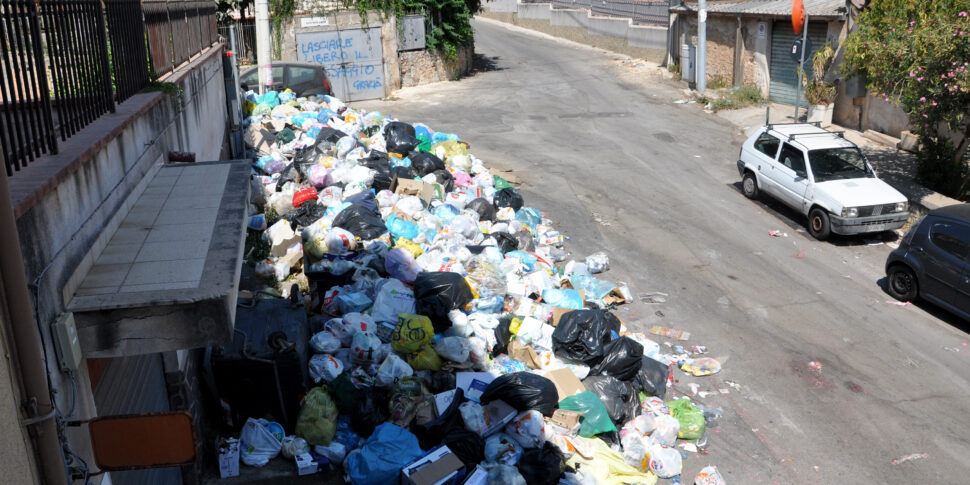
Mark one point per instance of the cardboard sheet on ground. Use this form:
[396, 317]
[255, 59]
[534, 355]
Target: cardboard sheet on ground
[608, 466]
[566, 382]
[473, 383]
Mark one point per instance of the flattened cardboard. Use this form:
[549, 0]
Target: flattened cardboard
[565, 419]
[423, 190]
[557, 312]
[524, 353]
[566, 382]
[437, 465]
[473, 384]
[497, 415]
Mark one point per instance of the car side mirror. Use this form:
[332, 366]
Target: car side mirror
[801, 174]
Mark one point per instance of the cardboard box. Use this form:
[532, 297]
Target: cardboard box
[305, 464]
[497, 415]
[228, 457]
[565, 419]
[438, 467]
[473, 384]
[566, 382]
[524, 353]
[557, 312]
[420, 188]
[477, 477]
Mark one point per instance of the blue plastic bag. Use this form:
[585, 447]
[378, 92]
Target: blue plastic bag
[401, 228]
[529, 216]
[380, 460]
[272, 98]
[565, 298]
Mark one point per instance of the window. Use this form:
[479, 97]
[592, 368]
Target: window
[792, 158]
[952, 238]
[250, 80]
[300, 75]
[767, 144]
[839, 163]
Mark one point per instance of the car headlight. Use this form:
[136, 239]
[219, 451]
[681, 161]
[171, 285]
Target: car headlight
[850, 212]
[901, 207]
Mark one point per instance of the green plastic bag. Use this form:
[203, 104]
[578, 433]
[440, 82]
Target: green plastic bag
[318, 418]
[425, 145]
[345, 394]
[691, 419]
[501, 183]
[595, 420]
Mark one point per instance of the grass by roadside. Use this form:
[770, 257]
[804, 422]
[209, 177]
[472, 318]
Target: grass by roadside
[719, 98]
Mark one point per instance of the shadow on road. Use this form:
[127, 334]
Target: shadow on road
[937, 312]
[797, 222]
[483, 63]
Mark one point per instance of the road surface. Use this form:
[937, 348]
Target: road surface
[619, 167]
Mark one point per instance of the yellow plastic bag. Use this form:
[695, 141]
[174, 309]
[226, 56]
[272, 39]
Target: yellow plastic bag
[607, 466]
[514, 326]
[425, 359]
[248, 107]
[409, 246]
[317, 422]
[454, 154]
[412, 331]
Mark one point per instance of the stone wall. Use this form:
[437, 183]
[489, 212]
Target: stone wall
[425, 66]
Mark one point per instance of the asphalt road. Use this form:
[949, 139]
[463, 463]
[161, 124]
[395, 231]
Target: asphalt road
[618, 166]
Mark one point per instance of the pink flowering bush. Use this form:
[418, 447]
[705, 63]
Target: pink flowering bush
[917, 55]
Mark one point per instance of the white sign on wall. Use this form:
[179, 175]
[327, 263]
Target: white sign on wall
[354, 60]
[314, 22]
[762, 30]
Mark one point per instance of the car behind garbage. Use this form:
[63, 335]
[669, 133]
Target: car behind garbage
[933, 261]
[821, 175]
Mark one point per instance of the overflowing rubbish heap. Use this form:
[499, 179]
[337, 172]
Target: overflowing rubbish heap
[449, 339]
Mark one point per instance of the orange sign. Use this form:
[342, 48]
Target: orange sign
[797, 15]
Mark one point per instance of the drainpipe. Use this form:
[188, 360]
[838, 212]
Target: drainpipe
[28, 346]
[701, 68]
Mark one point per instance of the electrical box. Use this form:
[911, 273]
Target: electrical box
[688, 55]
[66, 344]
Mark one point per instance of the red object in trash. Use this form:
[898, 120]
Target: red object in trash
[303, 195]
[797, 15]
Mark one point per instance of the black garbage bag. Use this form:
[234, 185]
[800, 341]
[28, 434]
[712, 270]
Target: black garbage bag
[361, 222]
[503, 335]
[621, 359]
[526, 241]
[328, 136]
[508, 197]
[382, 180]
[431, 433]
[442, 381]
[652, 377]
[437, 293]
[542, 466]
[506, 242]
[400, 137]
[524, 391]
[308, 213]
[371, 411]
[289, 174]
[619, 397]
[365, 198]
[445, 178]
[403, 172]
[425, 163]
[468, 446]
[583, 334]
[485, 210]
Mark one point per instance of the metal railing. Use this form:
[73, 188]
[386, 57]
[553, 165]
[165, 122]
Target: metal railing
[245, 33]
[67, 62]
[643, 12]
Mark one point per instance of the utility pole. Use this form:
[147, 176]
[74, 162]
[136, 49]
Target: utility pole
[801, 67]
[701, 69]
[263, 57]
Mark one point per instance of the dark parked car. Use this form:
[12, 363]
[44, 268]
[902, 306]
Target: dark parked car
[304, 78]
[933, 261]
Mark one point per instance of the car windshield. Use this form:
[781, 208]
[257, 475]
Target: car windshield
[839, 163]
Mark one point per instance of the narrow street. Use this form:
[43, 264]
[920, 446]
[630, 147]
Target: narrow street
[619, 167]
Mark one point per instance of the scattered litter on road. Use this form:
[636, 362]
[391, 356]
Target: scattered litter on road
[815, 366]
[910, 457]
[898, 303]
[443, 319]
[775, 233]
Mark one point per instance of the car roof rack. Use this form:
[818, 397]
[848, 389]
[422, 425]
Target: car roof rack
[816, 123]
[840, 133]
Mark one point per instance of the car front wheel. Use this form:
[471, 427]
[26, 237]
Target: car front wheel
[749, 185]
[902, 283]
[819, 225]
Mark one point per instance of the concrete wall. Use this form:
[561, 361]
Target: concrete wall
[16, 453]
[63, 228]
[424, 66]
[614, 34]
[721, 43]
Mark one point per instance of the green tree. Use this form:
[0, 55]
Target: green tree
[916, 54]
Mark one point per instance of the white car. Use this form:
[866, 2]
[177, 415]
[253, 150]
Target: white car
[822, 175]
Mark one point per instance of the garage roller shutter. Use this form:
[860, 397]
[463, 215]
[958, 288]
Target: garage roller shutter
[782, 66]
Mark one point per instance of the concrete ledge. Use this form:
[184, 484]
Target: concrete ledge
[168, 278]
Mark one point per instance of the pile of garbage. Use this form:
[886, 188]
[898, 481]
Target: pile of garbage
[452, 341]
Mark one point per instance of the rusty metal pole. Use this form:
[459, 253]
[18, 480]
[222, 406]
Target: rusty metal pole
[37, 410]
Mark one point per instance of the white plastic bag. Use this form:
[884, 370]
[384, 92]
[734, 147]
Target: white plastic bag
[709, 475]
[597, 262]
[528, 429]
[665, 429]
[335, 452]
[473, 415]
[366, 348]
[356, 322]
[459, 323]
[401, 265]
[393, 299]
[455, 349]
[257, 445]
[293, 445]
[340, 241]
[665, 462]
[325, 367]
[502, 448]
[504, 475]
[392, 369]
[325, 342]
